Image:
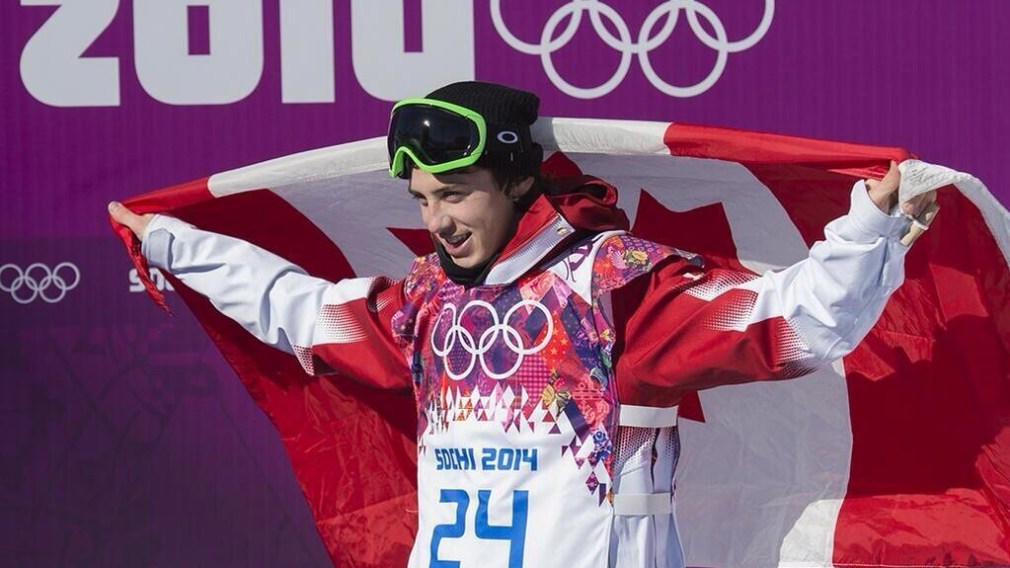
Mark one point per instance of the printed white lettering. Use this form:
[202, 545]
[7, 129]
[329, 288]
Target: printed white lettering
[52, 67]
[307, 51]
[383, 66]
[159, 280]
[170, 74]
[230, 66]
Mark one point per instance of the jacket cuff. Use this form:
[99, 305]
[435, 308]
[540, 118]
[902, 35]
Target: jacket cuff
[869, 221]
[156, 242]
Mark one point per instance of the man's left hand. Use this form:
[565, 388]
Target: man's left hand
[884, 194]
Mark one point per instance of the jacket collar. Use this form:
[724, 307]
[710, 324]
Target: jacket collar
[582, 205]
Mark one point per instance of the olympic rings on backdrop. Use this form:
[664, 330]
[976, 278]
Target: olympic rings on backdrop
[647, 41]
[477, 348]
[38, 281]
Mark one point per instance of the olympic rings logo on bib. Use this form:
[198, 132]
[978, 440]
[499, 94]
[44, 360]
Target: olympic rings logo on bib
[501, 334]
[39, 281]
[648, 40]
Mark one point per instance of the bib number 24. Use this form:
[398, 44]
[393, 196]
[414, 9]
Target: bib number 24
[515, 533]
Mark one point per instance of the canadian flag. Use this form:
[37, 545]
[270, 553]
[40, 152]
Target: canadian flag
[896, 455]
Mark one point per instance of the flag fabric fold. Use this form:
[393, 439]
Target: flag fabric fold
[897, 455]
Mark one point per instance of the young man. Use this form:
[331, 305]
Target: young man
[547, 348]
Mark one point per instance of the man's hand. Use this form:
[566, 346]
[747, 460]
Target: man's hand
[884, 194]
[122, 215]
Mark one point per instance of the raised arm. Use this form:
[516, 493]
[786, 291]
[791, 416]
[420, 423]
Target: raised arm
[687, 328]
[330, 327]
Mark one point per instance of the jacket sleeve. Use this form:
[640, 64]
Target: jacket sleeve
[341, 327]
[683, 328]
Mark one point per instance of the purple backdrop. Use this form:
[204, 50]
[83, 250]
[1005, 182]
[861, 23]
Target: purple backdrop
[127, 440]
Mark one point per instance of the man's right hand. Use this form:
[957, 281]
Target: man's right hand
[122, 215]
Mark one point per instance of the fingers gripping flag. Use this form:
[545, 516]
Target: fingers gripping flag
[897, 455]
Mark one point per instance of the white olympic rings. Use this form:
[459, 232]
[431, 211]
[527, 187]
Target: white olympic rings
[647, 41]
[478, 348]
[38, 279]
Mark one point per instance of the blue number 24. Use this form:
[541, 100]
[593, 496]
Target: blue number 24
[514, 533]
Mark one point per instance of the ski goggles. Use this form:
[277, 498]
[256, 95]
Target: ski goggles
[439, 137]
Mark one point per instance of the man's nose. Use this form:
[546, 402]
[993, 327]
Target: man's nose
[437, 221]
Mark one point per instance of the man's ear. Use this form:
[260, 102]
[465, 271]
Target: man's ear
[520, 188]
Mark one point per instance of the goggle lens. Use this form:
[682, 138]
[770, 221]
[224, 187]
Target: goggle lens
[434, 135]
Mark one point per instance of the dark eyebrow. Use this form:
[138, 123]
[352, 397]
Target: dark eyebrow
[436, 191]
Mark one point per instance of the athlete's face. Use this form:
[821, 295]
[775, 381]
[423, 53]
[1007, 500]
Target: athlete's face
[467, 212]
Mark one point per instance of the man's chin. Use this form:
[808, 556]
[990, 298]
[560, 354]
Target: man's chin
[464, 262]
[468, 261]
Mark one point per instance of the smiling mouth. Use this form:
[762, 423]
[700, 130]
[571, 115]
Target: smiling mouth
[454, 242]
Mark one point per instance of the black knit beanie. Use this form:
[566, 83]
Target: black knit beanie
[505, 110]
